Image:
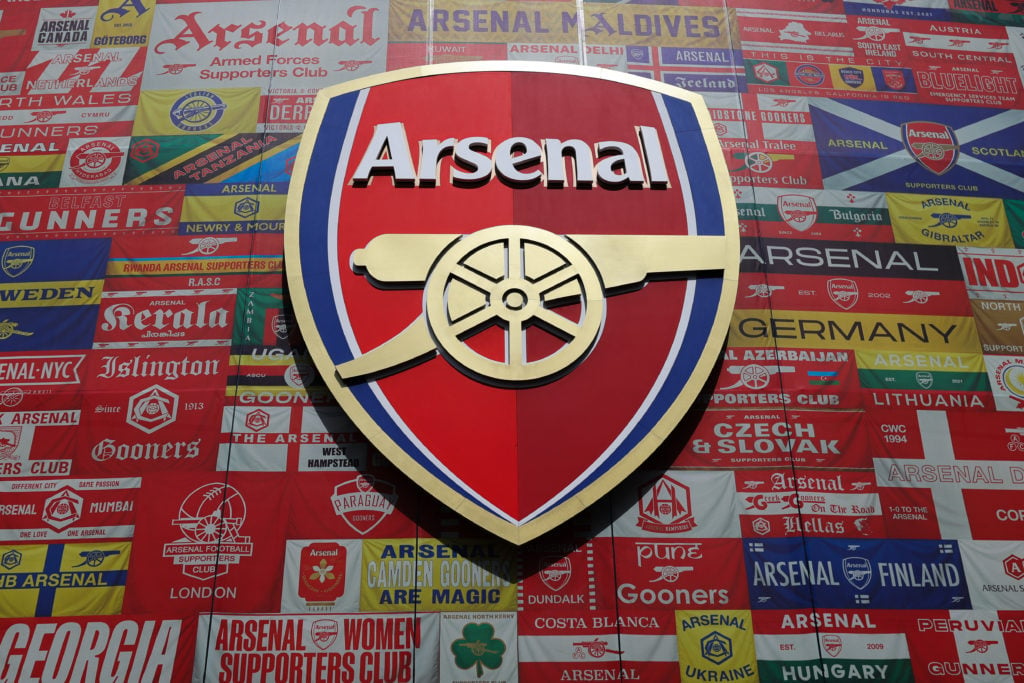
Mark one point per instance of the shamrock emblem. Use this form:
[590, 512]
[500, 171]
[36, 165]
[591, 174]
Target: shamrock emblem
[478, 647]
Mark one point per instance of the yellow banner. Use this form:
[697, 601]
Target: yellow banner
[123, 23]
[823, 330]
[224, 265]
[63, 580]
[38, 294]
[468, 21]
[716, 646]
[212, 112]
[226, 208]
[400, 575]
[940, 362]
[31, 163]
[847, 77]
[955, 221]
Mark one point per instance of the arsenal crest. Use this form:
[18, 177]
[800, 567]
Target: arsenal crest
[514, 277]
[17, 259]
[843, 292]
[933, 145]
[799, 211]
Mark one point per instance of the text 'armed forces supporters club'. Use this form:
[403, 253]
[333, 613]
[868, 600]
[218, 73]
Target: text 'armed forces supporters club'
[389, 341]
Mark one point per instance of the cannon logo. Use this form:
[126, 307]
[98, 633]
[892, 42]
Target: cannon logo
[210, 519]
[555, 571]
[17, 259]
[857, 572]
[933, 145]
[474, 278]
[843, 292]
[799, 211]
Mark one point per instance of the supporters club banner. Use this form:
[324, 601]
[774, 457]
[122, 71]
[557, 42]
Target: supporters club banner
[88, 211]
[848, 656]
[733, 439]
[567, 575]
[999, 325]
[952, 480]
[162, 421]
[715, 645]
[900, 377]
[966, 645]
[318, 576]
[56, 509]
[201, 538]
[176, 112]
[50, 298]
[958, 221]
[639, 644]
[165, 318]
[458, 21]
[993, 274]
[771, 378]
[1006, 375]
[36, 425]
[849, 259]
[777, 503]
[433, 575]
[363, 504]
[478, 649]
[270, 433]
[656, 573]
[197, 158]
[886, 147]
[256, 208]
[995, 571]
[775, 122]
[821, 330]
[838, 573]
[202, 46]
[868, 295]
[677, 503]
[63, 579]
[170, 263]
[708, 70]
[32, 170]
[97, 649]
[813, 214]
[283, 647]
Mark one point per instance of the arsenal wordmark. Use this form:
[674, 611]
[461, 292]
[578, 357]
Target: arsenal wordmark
[514, 277]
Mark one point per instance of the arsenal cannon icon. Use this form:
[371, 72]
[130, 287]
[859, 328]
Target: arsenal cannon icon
[514, 277]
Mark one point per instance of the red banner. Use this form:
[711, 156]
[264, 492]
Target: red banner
[807, 438]
[90, 212]
[98, 649]
[207, 544]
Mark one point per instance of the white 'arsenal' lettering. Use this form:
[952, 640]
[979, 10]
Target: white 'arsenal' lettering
[93, 651]
[518, 161]
[124, 317]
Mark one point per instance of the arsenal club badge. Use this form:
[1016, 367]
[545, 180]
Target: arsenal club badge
[515, 277]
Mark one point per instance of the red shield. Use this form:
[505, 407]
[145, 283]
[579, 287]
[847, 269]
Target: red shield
[799, 211]
[507, 278]
[843, 292]
[894, 79]
[933, 145]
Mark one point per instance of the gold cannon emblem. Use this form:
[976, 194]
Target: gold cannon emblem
[544, 292]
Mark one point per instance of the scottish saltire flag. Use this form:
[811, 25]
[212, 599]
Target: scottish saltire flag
[919, 148]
